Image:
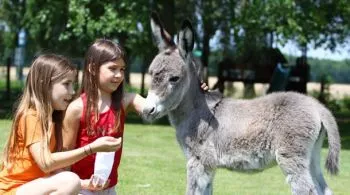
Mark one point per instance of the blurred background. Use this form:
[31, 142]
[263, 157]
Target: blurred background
[247, 48]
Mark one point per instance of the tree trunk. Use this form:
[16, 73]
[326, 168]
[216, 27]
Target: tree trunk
[167, 13]
[8, 78]
[146, 61]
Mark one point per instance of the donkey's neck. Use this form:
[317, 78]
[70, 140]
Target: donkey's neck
[192, 102]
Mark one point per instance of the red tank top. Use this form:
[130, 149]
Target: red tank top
[104, 127]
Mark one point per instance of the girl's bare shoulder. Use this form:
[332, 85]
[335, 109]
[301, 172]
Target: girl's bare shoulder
[75, 108]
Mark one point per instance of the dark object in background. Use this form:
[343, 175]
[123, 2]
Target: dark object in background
[299, 76]
[252, 67]
[279, 79]
[223, 66]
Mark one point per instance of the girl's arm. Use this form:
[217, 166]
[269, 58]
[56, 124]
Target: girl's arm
[137, 102]
[67, 158]
[134, 100]
[69, 133]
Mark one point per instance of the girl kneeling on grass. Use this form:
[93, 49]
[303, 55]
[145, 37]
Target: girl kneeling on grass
[32, 156]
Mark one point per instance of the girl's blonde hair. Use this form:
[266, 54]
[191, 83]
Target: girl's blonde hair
[100, 52]
[44, 72]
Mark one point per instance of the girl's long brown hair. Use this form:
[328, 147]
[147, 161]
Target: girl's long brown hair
[100, 52]
[44, 71]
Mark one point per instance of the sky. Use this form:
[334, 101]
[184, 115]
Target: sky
[340, 53]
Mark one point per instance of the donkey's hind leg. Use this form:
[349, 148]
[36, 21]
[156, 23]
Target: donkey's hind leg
[315, 167]
[295, 165]
[199, 178]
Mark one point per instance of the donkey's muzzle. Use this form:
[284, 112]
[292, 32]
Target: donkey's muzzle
[149, 111]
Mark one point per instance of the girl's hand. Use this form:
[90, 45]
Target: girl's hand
[95, 183]
[106, 144]
[204, 86]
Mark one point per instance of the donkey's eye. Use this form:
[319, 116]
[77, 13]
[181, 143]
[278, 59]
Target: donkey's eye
[174, 79]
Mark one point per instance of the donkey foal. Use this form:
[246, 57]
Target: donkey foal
[244, 135]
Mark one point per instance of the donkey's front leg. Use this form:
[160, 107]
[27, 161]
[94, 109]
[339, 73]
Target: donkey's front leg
[199, 178]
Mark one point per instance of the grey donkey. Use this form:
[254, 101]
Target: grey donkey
[242, 135]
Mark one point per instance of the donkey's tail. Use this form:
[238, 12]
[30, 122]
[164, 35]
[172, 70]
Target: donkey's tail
[329, 123]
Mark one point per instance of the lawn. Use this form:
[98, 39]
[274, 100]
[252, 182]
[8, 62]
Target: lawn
[153, 163]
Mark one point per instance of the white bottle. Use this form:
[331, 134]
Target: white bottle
[103, 165]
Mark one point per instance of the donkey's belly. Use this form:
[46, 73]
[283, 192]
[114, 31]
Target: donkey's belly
[246, 161]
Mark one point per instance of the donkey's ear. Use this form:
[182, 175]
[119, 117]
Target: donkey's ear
[186, 39]
[161, 37]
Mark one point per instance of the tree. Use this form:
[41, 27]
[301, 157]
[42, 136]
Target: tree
[69, 27]
[11, 13]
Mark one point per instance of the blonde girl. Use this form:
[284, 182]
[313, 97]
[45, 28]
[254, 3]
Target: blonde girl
[32, 156]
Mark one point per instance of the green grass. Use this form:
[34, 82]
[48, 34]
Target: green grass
[152, 163]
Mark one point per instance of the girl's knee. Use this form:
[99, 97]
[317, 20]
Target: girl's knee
[61, 183]
[68, 174]
[69, 181]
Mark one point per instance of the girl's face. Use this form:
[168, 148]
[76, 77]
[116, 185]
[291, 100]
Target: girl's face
[111, 75]
[62, 92]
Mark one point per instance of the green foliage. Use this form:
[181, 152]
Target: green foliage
[7, 104]
[130, 89]
[88, 20]
[69, 27]
[10, 15]
[335, 104]
[346, 102]
[338, 71]
[320, 22]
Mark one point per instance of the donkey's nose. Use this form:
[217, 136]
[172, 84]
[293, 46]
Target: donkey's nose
[149, 110]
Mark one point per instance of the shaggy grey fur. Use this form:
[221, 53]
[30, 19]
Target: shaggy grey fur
[242, 135]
